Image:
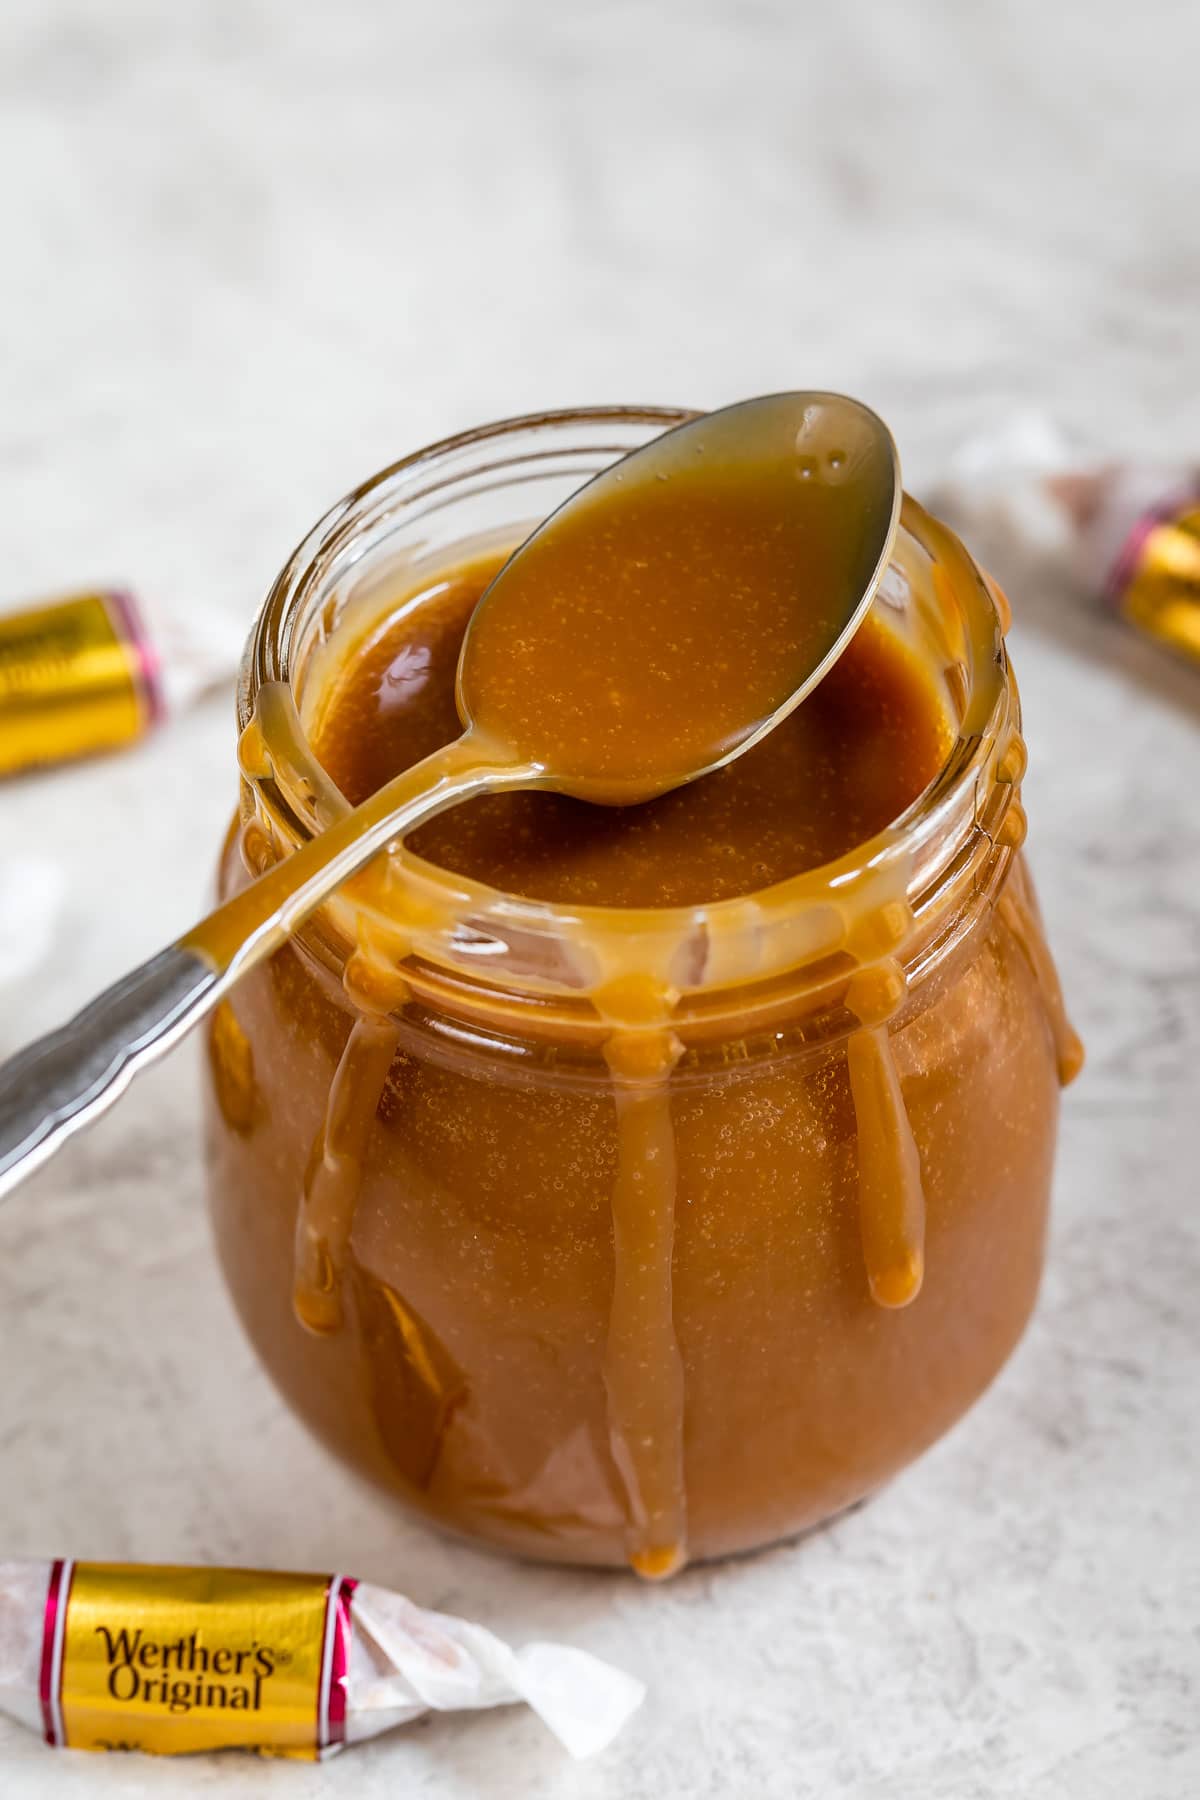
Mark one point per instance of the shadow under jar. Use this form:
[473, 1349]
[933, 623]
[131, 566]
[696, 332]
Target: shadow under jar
[631, 1232]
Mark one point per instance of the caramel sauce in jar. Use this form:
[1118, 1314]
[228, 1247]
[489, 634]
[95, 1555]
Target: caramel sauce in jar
[630, 1185]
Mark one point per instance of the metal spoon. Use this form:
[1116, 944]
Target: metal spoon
[662, 621]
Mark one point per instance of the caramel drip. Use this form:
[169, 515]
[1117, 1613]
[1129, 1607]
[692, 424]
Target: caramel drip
[891, 1200]
[415, 1385]
[331, 1185]
[643, 1370]
[1018, 909]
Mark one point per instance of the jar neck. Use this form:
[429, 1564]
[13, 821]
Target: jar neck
[899, 903]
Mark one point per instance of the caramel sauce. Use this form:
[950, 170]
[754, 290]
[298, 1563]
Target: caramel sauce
[891, 1200]
[326, 1214]
[841, 767]
[438, 1206]
[850, 759]
[643, 1371]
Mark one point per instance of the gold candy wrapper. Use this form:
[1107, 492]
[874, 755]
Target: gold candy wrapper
[1155, 581]
[118, 1656]
[1130, 531]
[77, 676]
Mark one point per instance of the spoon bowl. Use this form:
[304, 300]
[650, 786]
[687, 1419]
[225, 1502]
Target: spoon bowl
[685, 600]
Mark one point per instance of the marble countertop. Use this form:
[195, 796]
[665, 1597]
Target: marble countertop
[253, 251]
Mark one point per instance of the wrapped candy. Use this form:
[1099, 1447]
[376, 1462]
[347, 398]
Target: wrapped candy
[117, 1656]
[1129, 531]
[1137, 530]
[82, 674]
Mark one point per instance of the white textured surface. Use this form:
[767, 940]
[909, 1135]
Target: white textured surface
[254, 249]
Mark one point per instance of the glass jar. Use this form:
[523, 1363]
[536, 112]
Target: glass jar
[610, 1235]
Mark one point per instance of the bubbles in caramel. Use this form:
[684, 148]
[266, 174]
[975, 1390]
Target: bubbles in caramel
[635, 1184]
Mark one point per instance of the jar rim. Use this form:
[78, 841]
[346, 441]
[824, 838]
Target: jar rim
[914, 850]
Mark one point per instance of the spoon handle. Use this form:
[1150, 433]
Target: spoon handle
[63, 1080]
[70, 1075]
